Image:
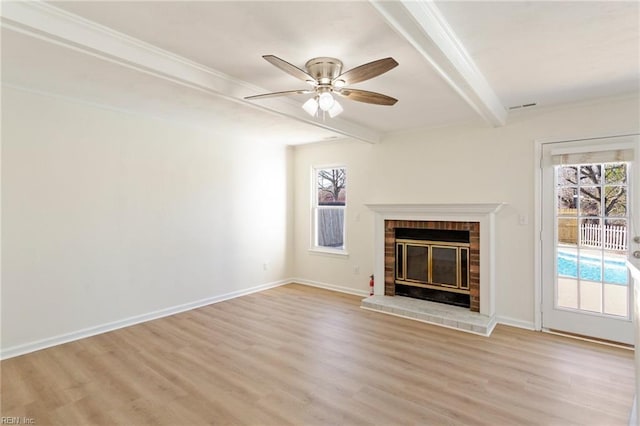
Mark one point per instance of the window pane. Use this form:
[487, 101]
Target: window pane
[330, 227]
[615, 235]
[567, 293]
[615, 270]
[567, 201]
[568, 231]
[616, 300]
[615, 173]
[332, 187]
[590, 174]
[567, 263]
[591, 233]
[591, 296]
[590, 265]
[567, 175]
[615, 201]
[590, 199]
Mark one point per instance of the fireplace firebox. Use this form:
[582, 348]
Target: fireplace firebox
[433, 264]
[433, 260]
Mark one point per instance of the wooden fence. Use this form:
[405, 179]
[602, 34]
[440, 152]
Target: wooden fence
[609, 238]
[330, 227]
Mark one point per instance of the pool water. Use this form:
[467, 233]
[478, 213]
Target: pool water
[615, 271]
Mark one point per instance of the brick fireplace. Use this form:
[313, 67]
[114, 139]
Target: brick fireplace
[478, 219]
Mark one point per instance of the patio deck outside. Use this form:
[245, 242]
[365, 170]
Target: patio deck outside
[605, 296]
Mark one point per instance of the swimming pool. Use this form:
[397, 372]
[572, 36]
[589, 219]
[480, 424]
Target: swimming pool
[615, 270]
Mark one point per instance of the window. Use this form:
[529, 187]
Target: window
[592, 230]
[329, 205]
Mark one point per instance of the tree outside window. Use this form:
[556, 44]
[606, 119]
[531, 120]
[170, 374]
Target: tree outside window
[598, 197]
[592, 205]
[329, 207]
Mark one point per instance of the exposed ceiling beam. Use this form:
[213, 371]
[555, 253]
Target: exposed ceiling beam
[49, 23]
[422, 25]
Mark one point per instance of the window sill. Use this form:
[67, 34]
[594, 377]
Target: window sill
[328, 252]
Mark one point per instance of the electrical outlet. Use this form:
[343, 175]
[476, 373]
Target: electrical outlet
[265, 266]
[356, 270]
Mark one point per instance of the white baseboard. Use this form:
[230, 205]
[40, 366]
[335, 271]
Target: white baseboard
[513, 322]
[25, 348]
[326, 286]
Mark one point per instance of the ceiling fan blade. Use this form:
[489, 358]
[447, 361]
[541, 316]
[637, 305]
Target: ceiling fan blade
[285, 93]
[290, 69]
[366, 96]
[367, 71]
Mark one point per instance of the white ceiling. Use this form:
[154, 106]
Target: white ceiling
[460, 62]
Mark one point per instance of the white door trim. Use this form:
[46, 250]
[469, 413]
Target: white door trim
[537, 205]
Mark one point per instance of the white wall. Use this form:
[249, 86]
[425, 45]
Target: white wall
[461, 164]
[107, 216]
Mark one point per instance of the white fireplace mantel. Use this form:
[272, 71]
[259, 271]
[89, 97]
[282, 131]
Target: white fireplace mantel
[484, 213]
[445, 209]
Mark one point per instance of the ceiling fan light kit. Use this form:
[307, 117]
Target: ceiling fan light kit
[311, 106]
[325, 102]
[326, 76]
[335, 110]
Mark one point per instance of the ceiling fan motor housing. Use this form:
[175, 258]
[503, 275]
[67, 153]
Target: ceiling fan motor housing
[324, 69]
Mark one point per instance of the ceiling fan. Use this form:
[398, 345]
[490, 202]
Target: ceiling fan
[326, 76]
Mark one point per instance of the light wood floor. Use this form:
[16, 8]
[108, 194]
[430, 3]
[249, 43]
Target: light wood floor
[297, 355]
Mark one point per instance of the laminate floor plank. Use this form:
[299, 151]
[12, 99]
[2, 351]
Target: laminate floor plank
[298, 355]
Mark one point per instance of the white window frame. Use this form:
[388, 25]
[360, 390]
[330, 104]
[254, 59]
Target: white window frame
[315, 248]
